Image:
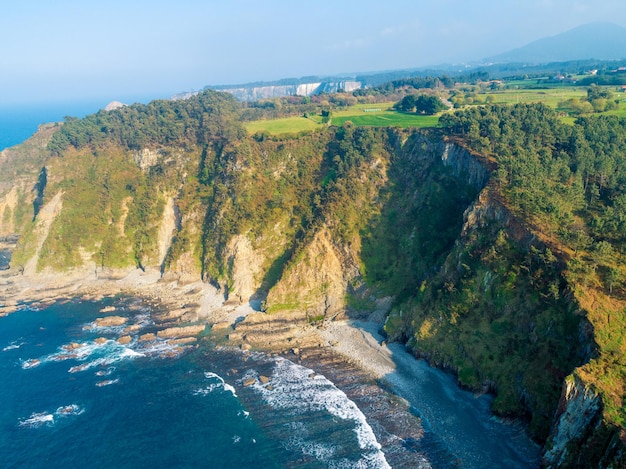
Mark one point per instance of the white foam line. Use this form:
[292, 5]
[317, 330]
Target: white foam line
[298, 389]
[225, 385]
[37, 420]
[13, 345]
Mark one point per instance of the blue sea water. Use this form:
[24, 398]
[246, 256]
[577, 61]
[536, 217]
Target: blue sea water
[72, 395]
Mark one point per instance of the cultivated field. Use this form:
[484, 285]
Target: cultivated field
[383, 115]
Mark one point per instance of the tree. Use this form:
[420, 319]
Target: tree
[422, 104]
[406, 104]
[428, 105]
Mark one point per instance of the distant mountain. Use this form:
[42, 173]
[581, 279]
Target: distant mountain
[603, 41]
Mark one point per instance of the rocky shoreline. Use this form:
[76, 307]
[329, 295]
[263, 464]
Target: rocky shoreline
[351, 354]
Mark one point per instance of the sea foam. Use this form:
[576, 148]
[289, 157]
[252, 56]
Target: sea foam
[220, 384]
[39, 419]
[300, 391]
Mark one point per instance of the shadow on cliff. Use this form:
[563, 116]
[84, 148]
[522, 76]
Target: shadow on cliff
[459, 428]
[431, 184]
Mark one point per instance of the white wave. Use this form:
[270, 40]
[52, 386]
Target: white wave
[160, 348]
[105, 353]
[220, 382]
[320, 451]
[38, 419]
[30, 363]
[298, 390]
[106, 372]
[236, 439]
[105, 330]
[13, 345]
[107, 382]
[142, 320]
[67, 410]
[100, 354]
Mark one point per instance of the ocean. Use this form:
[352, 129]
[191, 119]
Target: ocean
[75, 394]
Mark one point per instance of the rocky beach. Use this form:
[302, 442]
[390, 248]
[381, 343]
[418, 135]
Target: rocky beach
[414, 410]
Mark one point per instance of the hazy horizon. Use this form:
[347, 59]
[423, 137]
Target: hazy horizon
[137, 51]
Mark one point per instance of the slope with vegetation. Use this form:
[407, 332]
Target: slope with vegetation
[499, 236]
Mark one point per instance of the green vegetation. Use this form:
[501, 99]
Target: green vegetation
[420, 104]
[285, 125]
[363, 115]
[567, 182]
[388, 119]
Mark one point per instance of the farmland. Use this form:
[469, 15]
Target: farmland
[383, 114]
[375, 115]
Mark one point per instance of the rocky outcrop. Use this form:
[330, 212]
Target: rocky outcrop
[471, 169]
[111, 321]
[580, 437]
[42, 227]
[246, 266]
[185, 331]
[113, 105]
[579, 411]
[145, 158]
[255, 93]
[317, 283]
[166, 230]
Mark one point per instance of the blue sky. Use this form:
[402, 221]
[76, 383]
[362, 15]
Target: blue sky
[139, 49]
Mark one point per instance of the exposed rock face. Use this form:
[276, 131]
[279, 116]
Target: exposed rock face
[246, 268]
[580, 410]
[111, 321]
[166, 230]
[185, 331]
[317, 284]
[8, 204]
[254, 93]
[44, 221]
[113, 105]
[465, 166]
[146, 158]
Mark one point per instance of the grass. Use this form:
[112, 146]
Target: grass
[388, 119]
[372, 115]
[551, 97]
[283, 126]
[382, 114]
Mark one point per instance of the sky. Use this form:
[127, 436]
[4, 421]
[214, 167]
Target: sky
[136, 50]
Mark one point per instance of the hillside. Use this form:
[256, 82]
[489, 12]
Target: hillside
[493, 245]
[600, 41]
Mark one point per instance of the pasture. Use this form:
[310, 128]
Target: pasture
[383, 115]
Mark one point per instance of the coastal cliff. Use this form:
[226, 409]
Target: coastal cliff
[416, 225]
[255, 93]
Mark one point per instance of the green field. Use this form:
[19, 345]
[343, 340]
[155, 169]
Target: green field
[283, 126]
[375, 115]
[382, 114]
[551, 97]
[388, 119]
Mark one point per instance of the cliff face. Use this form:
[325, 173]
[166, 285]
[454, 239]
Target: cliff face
[579, 412]
[254, 93]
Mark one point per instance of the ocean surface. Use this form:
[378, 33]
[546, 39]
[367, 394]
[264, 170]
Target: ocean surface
[74, 396]
[17, 123]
